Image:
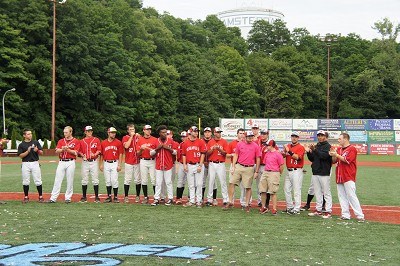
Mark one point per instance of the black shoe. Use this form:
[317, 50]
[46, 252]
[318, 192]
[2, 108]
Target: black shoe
[116, 200]
[108, 200]
[155, 203]
[169, 202]
[67, 201]
[305, 208]
[83, 199]
[50, 201]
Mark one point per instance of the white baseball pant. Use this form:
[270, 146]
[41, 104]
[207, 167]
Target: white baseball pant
[111, 174]
[347, 196]
[132, 170]
[322, 189]
[182, 177]
[28, 169]
[164, 177]
[64, 169]
[219, 170]
[195, 183]
[90, 169]
[148, 168]
[293, 182]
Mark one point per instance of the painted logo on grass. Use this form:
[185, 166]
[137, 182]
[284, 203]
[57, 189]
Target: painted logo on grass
[97, 254]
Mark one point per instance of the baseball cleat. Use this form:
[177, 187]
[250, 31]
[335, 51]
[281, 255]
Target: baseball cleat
[50, 201]
[137, 199]
[316, 213]
[26, 200]
[83, 199]
[209, 204]
[67, 201]
[188, 204]
[162, 200]
[360, 220]
[199, 205]
[292, 212]
[178, 202]
[145, 200]
[155, 203]
[326, 215]
[305, 208]
[97, 200]
[116, 200]
[215, 202]
[126, 200]
[344, 218]
[41, 200]
[107, 200]
[169, 202]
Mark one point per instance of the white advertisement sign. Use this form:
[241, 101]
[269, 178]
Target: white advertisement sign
[262, 123]
[396, 124]
[334, 135]
[280, 135]
[230, 127]
[308, 124]
[397, 136]
[280, 124]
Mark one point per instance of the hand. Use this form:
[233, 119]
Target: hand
[332, 153]
[255, 175]
[199, 169]
[101, 168]
[286, 148]
[35, 149]
[119, 168]
[232, 170]
[185, 168]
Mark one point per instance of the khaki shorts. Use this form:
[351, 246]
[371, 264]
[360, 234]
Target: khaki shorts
[244, 174]
[269, 182]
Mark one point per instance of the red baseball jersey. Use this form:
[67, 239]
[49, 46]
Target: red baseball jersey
[299, 150]
[149, 142]
[165, 158]
[131, 156]
[111, 150]
[216, 155]
[90, 146]
[179, 153]
[264, 151]
[193, 149]
[346, 171]
[206, 156]
[73, 144]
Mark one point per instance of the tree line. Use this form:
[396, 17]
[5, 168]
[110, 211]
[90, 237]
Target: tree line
[118, 62]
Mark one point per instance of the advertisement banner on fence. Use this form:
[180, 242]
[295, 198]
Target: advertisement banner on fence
[280, 123]
[397, 136]
[398, 149]
[280, 135]
[362, 148]
[334, 135]
[262, 123]
[305, 124]
[384, 149]
[358, 136]
[329, 124]
[396, 124]
[354, 124]
[381, 136]
[230, 126]
[380, 124]
[308, 135]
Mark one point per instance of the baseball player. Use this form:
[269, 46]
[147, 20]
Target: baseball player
[294, 154]
[147, 163]
[28, 151]
[207, 137]
[346, 158]
[110, 163]
[255, 128]
[67, 149]
[247, 155]
[132, 168]
[164, 152]
[181, 182]
[193, 153]
[90, 150]
[217, 150]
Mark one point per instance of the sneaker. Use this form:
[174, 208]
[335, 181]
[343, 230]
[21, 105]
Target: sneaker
[316, 213]
[326, 215]
[274, 212]
[137, 199]
[305, 208]
[259, 204]
[145, 200]
[344, 218]
[288, 211]
[116, 200]
[227, 206]
[26, 200]
[209, 204]
[264, 210]
[188, 204]
[97, 200]
[67, 201]
[169, 202]
[41, 200]
[108, 200]
[292, 212]
[215, 202]
[178, 202]
[83, 199]
[248, 209]
[360, 220]
[126, 200]
[50, 201]
[155, 203]
[199, 205]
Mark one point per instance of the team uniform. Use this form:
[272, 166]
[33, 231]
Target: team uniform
[111, 153]
[182, 176]
[346, 182]
[206, 174]
[147, 163]
[132, 167]
[30, 167]
[65, 168]
[90, 148]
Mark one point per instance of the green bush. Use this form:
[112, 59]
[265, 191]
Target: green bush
[14, 139]
[45, 144]
[34, 135]
[53, 144]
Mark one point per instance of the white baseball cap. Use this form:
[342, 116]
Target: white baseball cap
[249, 133]
[147, 127]
[207, 129]
[218, 129]
[88, 128]
[112, 130]
[183, 134]
[295, 133]
[255, 126]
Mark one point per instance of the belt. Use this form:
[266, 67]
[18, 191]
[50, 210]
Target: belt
[110, 161]
[216, 162]
[292, 169]
[66, 160]
[192, 163]
[271, 171]
[90, 160]
[148, 159]
[262, 164]
[31, 161]
[245, 165]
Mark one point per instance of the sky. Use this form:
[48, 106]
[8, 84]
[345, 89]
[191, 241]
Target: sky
[317, 16]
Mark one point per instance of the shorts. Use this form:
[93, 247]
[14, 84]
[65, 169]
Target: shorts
[269, 182]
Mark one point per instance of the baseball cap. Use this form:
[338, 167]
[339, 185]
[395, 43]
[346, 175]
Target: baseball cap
[255, 126]
[88, 128]
[193, 128]
[264, 132]
[218, 129]
[295, 133]
[207, 129]
[183, 134]
[249, 133]
[168, 132]
[147, 127]
[321, 132]
[112, 130]
[271, 142]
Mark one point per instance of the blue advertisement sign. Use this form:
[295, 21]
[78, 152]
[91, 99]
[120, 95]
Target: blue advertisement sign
[380, 124]
[354, 124]
[358, 136]
[329, 124]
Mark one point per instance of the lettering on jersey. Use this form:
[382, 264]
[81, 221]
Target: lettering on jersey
[111, 148]
[93, 146]
[191, 148]
[97, 254]
[71, 145]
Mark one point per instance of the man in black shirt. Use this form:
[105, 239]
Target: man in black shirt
[28, 151]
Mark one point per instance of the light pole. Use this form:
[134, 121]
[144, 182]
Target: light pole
[4, 112]
[234, 116]
[53, 87]
[328, 39]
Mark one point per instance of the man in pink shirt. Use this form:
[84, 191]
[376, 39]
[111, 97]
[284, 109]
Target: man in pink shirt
[269, 182]
[247, 155]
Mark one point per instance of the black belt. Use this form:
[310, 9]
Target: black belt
[262, 164]
[216, 162]
[110, 161]
[244, 165]
[90, 160]
[271, 171]
[31, 161]
[291, 169]
[192, 163]
[148, 159]
[66, 160]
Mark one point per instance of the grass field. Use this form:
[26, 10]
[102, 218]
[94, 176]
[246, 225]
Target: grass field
[232, 237]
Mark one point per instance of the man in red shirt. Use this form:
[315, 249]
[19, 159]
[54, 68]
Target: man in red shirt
[193, 152]
[67, 149]
[181, 182]
[206, 175]
[147, 163]
[217, 150]
[111, 153]
[164, 152]
[346, 170]
[132, 169]
[294, 154]
[90, 150]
